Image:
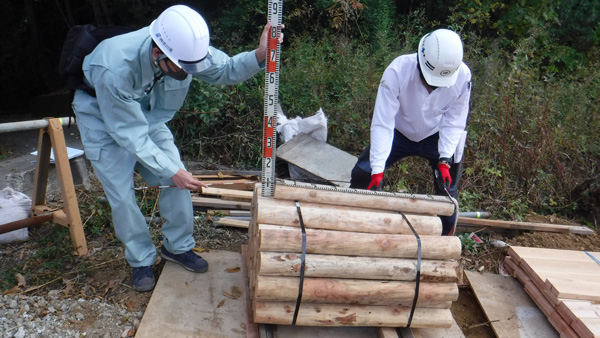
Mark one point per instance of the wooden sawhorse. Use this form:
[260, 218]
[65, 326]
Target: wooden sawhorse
[53, 138]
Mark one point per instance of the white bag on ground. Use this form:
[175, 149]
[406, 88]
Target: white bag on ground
[14, 206]
[315, 126]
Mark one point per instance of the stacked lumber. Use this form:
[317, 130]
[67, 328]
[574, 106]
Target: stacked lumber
[360, 263]
[564, 284]
[226, 190]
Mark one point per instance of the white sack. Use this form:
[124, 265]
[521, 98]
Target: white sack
[315, 126]
[14, 206]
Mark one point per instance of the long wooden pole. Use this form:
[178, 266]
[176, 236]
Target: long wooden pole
[352, 291]
[322, 216]
[289, 239]
[372, 268]
[311, 314]
[418, 204]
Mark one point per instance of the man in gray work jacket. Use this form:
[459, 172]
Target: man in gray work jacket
[141, 80]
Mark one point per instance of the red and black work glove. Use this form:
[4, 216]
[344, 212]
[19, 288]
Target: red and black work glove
[444, 173]
[376, 182]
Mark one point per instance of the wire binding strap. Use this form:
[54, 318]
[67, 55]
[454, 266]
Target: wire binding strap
[414, 304]
[303, 261]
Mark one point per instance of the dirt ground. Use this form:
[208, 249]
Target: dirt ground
[104, 273]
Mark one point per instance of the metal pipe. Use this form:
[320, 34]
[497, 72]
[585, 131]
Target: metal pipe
[475, 214]
[24, 223]
[30, 125]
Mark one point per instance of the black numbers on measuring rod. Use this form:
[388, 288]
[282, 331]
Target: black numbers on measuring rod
[271, 77]
[275, 7]
[271, 100]
[269, 142]
[274, 32]
[273, 55]
[268, 162]
[270, 121]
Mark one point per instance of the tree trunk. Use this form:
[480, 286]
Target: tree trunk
[352, 291]
[417, 204]
[310, 314]
[288, 239]
[375, 268]
[322, 216]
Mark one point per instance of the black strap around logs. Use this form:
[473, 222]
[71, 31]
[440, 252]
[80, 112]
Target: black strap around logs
[303, 261]
[414, 305]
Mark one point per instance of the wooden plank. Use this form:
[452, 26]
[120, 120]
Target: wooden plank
[236, 223]
[511, 312]
[187, 304]
[65, 179]
[587, 327]
[390, 332]
[218, 203]
[244, 173]
[499, 224]
[573, 309]
[547, 268]
[236, 213]
[574, 288]
[520, 252]
[453, 331]
[563, 328]
[247, 195]
[251, 326]
[316, 156]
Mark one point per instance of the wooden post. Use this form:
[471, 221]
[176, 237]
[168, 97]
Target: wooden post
[323, 216]
[52, 138]
[376, 268]
[353, 291]
[312, 314]
[288, 239]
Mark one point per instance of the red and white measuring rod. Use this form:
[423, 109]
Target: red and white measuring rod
[271, 99]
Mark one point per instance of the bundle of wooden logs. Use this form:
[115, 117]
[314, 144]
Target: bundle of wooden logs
[361, 258]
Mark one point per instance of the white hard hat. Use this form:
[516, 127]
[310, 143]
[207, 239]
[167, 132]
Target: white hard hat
[182, 35]
[440, 55]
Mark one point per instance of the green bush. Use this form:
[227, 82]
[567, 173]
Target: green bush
[534, 108]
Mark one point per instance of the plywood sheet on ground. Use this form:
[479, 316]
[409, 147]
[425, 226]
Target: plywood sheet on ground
[187, 304]
[510, 310]
[453, 332]
[284, 331]
[318, 158]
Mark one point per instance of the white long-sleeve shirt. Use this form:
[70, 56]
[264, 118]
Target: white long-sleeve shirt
[404, 103]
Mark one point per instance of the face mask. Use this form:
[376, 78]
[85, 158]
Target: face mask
[177, 75]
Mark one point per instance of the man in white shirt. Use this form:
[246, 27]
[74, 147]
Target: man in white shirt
[421, 110]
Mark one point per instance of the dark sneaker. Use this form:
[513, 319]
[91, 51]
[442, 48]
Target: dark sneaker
[143, 278]
[188, 260]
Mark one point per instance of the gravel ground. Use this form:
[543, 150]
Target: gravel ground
[53, 316]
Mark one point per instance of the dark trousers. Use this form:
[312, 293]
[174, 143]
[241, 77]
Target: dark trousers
[401, 148]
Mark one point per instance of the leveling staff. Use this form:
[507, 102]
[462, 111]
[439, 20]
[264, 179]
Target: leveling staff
[141, 80]
[421, 110]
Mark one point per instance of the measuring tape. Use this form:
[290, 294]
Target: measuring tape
[271, 99]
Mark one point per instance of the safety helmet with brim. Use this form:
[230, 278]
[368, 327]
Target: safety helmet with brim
[440, 56]
[182, 35]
